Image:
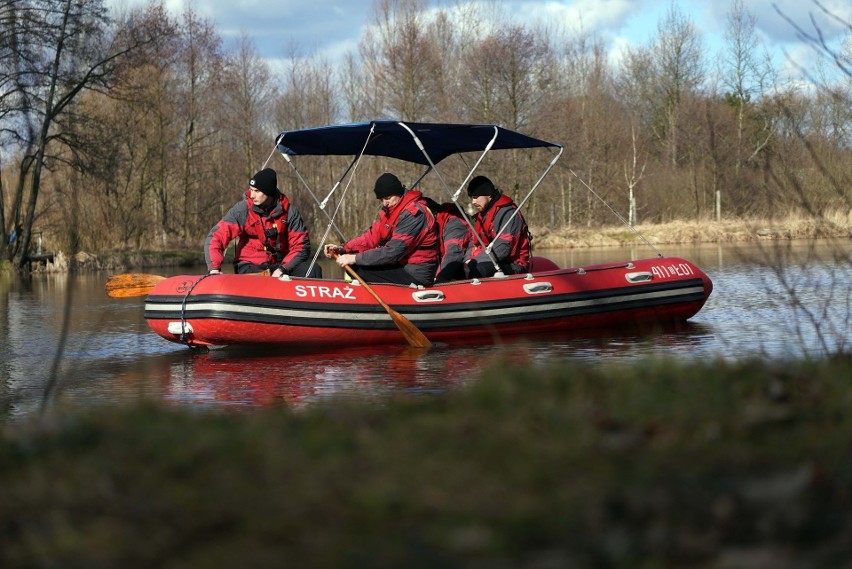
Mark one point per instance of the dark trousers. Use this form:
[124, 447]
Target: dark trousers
[484, 269]
[453, 271]
[299, 270]
[384, 274]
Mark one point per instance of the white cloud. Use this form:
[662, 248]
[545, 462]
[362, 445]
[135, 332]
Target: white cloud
[331, 28]
[779, 18]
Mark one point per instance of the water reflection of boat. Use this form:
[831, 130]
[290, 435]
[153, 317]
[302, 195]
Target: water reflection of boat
[261, 376]
[240, 309]
[255, 377]
[248, 377]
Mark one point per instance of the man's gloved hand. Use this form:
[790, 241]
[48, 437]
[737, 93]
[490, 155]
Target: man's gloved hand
[280, 271]
[348, 259]
[331, 250]
[214, 272]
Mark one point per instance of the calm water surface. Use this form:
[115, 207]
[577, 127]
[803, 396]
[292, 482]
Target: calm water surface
[62, 335]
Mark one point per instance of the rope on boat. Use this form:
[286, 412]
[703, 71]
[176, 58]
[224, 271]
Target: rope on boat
[618, 215]
[183, 337]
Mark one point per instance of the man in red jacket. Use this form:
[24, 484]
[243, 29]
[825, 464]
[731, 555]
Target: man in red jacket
[270, 230]
[510, 244]
[453, 237]
[402, 244]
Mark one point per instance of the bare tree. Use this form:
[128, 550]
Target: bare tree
[507, 74]
[633, 174]
[401, 61]
[814, 127]
[747, 68]
[679, 69]
[247, 95]
[357, 91]
[307, 95]
[62, 48]
[747, 72]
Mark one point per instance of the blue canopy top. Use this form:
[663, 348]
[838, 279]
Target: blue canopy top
[392, 139]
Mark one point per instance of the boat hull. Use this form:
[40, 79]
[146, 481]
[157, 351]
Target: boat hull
[216, 310]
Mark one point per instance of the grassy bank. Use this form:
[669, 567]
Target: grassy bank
[655, 464]
[677, 232]
[837, 226]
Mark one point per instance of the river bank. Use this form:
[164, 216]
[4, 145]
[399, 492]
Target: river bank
[712, 465]
[544, 238]
[682, 232]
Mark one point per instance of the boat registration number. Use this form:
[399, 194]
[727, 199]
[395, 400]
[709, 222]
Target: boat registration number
[673, 270]
[316, 291]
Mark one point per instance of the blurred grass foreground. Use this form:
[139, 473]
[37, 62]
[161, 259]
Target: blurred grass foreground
[654, 464]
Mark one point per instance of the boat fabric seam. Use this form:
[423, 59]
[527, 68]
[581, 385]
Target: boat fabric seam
[438, 311]
[338, 307]
[448, 325]
[437, 319]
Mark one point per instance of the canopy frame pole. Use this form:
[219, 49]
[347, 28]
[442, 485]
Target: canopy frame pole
[487, 149]
[313, 195]
[340, 179]
[355, 162]
[454, 196]
[423, 175]
[529, 194]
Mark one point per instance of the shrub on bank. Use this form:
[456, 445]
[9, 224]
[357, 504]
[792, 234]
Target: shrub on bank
[656, 464]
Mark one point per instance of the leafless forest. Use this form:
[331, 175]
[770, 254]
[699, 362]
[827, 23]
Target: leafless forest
[137, 131]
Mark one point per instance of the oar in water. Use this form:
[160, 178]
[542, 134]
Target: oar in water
[140, 284]
[412, 333]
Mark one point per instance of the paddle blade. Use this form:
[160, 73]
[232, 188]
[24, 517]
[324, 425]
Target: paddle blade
[410, 332]
[131, 284]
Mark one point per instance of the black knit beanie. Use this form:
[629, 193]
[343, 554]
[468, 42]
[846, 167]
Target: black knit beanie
[388, 185]
[266, 181]
[480, 186]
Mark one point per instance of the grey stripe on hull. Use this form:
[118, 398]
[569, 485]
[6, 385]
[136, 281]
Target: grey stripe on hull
[434, 319]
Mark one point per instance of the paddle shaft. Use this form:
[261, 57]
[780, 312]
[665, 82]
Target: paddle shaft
[412, 333]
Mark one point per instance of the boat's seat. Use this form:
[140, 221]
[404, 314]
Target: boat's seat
[539, 264]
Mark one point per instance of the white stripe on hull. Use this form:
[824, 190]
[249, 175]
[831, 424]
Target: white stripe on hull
[291, 315]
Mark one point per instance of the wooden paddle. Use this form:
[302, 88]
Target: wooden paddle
[131, 284]
[412, 333]
[140, 284]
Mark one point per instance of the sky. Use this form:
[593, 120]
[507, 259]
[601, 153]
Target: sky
[331, 28]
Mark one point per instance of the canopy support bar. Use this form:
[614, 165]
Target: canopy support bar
[313, 195]
[529, 194]
[353, 164]
[455, 196]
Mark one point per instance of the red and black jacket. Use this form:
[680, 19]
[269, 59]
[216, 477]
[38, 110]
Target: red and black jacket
[512, 246]
[274, 236]
[404, 235]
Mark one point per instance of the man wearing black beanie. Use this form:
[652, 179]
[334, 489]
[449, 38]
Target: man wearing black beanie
[387, 185]
[511, 247]
[402, 244]
[266, 181]
[271, 234]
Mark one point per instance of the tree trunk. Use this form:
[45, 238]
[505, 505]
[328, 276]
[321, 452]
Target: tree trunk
[29, 217]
